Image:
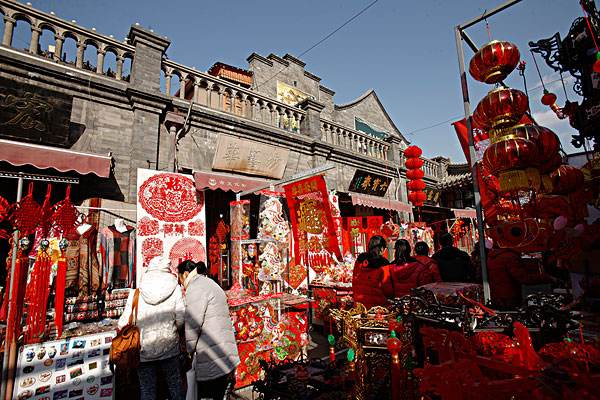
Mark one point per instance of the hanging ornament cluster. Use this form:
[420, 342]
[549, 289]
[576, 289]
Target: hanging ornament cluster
[415, 174]
[522, 166]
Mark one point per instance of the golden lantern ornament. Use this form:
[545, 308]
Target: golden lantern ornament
[494, 61]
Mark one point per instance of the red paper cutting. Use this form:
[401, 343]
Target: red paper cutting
[170, 198]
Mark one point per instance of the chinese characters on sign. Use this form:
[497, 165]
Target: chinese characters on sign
[368, 183]
[32, 114]
[250, 157]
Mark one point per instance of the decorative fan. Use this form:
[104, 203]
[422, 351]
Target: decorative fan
[26, 214]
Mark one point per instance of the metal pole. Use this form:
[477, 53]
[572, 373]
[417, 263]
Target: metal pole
[472, 154]
[488, 14]
[10, 353]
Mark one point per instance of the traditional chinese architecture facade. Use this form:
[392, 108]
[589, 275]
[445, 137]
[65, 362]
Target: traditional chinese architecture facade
[151, 111]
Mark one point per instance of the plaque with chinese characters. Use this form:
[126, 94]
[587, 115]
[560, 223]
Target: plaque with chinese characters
[250, 157]
[32, 114]
[368, 183]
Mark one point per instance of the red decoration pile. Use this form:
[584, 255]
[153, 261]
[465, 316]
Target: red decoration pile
[415, 174]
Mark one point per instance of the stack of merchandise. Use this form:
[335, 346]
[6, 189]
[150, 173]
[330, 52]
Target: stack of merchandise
[114, 303]
[82, 308]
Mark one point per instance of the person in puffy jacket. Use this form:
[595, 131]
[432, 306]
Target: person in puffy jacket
[370, 280]
[407, 272]
[507, 271]
[422, 256]
[454, 264]
[159, 317]
[209, 334]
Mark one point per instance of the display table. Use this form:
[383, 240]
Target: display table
[451, 293]
[75, 367]
[267, 327]
[326, 296]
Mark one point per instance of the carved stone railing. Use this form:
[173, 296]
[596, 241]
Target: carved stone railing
[212, 92]
[63, 30]
[353, 140]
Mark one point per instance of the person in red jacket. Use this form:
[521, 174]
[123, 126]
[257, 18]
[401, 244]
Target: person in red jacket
[407, 272]
[422, 256]
[507, 271]
[371, 280]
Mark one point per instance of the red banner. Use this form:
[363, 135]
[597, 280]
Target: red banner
[313, 227]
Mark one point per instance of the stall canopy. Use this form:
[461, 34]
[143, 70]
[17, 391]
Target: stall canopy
[380, 202]
[464, 213]
[226, 182]
[44, 157]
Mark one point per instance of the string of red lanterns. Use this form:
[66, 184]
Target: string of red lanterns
[414, 174]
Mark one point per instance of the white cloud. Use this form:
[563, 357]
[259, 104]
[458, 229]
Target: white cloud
[559, 126]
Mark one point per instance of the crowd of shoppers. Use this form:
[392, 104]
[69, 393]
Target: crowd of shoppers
[182, 319]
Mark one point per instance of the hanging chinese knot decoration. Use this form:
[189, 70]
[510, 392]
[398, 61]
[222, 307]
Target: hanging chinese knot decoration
[531, 186]
[415, 174]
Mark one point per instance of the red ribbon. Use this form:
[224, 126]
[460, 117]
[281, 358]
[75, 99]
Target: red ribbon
[59, 298]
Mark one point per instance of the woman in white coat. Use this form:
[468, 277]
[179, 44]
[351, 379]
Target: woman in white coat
[160, 316]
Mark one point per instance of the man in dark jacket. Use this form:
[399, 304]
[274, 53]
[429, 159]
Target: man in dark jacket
[454, 264]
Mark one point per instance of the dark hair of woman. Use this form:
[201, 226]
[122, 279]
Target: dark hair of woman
[201, 268]
[402, 252]
[421, 249]
[376, 245]
[186, 266]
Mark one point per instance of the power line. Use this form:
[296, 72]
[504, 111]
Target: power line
[324, 39]
[435, 125]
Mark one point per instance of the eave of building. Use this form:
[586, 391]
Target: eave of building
[368, 93]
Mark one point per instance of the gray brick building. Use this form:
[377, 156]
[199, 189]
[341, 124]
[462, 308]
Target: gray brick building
[134, 117]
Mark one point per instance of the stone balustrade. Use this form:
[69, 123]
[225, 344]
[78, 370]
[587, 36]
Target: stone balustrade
[62, 30]
[218, 94]
[353, 140]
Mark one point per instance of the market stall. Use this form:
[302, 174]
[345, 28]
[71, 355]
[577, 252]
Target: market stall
[55, 297]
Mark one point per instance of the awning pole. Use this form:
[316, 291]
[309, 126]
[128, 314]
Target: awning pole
[10, 349]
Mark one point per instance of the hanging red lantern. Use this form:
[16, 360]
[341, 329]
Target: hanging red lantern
[508, 154]
[414, 174]
[413, 163]
[548, 98]
[417, 197]
[413, 152]
[494, 61]
[501, 108]
[416, 185]
[566, 179]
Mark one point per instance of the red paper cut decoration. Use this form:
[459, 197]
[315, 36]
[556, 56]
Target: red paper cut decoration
[151, 247]
[147, 227]
[187, 249]
[170, 198]
[196, 228]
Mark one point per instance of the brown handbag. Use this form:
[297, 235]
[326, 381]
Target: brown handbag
[125, 347]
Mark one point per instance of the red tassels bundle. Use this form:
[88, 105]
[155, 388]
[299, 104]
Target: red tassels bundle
[59, 298]
[37, 295]
[13, 322]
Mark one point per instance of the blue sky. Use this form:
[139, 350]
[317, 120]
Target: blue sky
[404, 50]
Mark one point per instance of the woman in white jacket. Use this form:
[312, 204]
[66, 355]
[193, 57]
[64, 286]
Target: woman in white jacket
[160, 316]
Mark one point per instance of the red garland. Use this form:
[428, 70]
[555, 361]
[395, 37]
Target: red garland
[314, 189]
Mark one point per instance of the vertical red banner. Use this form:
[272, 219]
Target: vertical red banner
[312, 221]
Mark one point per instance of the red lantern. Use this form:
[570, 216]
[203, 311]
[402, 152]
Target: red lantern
[566, 179]
[501, 108]
[414, 174]
[417, 197]
[413, 163]
[510, 154]
[548, 98]
[416, 185]
[413, 152]
[494, 62]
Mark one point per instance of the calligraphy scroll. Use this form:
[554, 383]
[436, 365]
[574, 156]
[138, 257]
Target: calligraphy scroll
[315, 239]
[172, 216]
